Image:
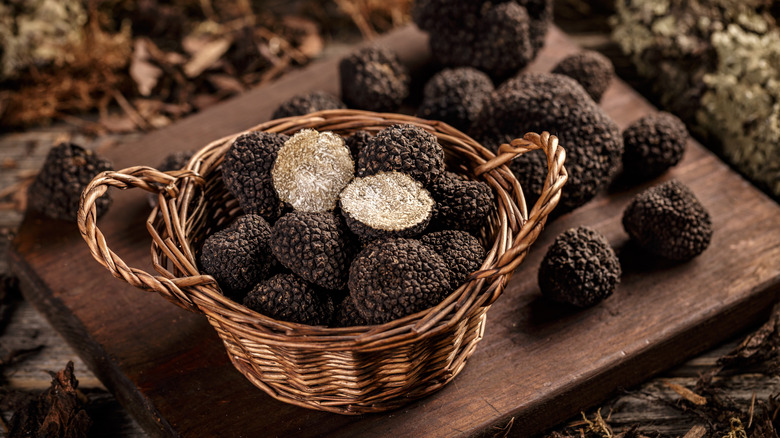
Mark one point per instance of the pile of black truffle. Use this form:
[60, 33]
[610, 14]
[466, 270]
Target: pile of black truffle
[345, 231]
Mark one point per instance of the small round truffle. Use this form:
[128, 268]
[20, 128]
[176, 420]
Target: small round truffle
[246, 170]
[315, 246]
[653, 144]
[591, 69]
[455, 96]
[303, 104]
[239, 256]
[68, 169]
[461, 252]
[461, 203]
[347, 315]
[668, 220]
[393, 278]
[311, 169]
[388, 204]
[287, 297]
[373, 79]
[403, 148]
[537, 102]
[579, 268]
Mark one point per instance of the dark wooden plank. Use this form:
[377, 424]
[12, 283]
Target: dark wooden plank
[537, 363]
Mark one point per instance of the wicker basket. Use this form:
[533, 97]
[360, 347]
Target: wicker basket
[350, 370]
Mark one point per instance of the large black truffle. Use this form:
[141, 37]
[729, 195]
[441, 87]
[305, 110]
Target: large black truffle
[315, 246]
[239, 256]
[653, 144]
[668, 220]
[455, 96]
[287, 297]
[579, 268]
[496, 37]
[461, 252]
[403, 148]
[246, 170]
[56, 190]
[461, 203]
[537, 102]
[393, 278]
[303, 104]
[373, 79]
[591, 69]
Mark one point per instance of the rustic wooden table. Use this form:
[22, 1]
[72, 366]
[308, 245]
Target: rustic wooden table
[651, 405]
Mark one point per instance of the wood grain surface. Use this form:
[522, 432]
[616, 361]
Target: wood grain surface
[538, 364]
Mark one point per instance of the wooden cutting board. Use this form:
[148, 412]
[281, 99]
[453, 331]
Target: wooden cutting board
[537, 364]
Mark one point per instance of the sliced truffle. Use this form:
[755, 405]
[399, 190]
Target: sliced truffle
[455, 96]
[393, 278]
[246, 170]
[403, 148]
[315, 246]
[68, 169]
[239, 256]
[287, 297]
[591, 69]
[461, 203]
[373, 79]
[303, 104]
[388, 204]
[653, 144]
[311, 169]
[461, 252]
[347, 314]
[356, 142]
[580, 268]
[668, 220]
[537, 102]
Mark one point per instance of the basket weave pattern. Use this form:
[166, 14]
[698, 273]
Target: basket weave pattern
[350, 370]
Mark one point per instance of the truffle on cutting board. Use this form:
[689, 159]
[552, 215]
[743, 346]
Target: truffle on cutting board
[653, 144]
[373, 79]
[455, 96]
[303, 104]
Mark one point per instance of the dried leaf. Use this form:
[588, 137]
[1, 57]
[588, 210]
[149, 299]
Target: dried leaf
[206, 57]
[697, 431]
[226, 83]
[144, 73]
[307, 35]
[686, 393]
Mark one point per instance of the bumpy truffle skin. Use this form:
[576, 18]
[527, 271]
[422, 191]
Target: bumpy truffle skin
[393, 278]
[461, 203]
[347, 315]
[455, 96]
[287, 297]
[356, 142]
[461, 252]
[303, 104]
[373, 79]
[403, 148]
[56, 191]
[315, 246]
[653, 144]
[246, 171]
[591, 69]
[537, 102]
[580, 268]
[239, 256]
[668, 220]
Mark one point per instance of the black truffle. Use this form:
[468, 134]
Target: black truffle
[591, 69]
[537, 102]
[246, 171]
[315, 246]
[403, 148]
[653, 144]
[287, 297]
[303, 104]
[388, 204]
[239, 256]
[461, 252]
[356, 142]
[461, 203]
[393, 278]
[579, 268]
[373, 79]
[68, 169]
[455, 96]
[347, 315]
[669, 221]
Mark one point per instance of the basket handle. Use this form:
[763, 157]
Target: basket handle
[153, 181]
[533, 222]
